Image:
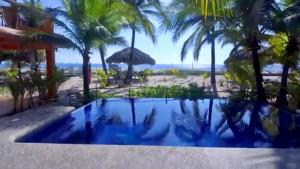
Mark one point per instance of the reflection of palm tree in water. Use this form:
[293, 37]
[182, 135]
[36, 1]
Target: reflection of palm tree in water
[140, 132]
[264, 124]
[88, 123]
[132, 111]
[234, 112]
[191, 125]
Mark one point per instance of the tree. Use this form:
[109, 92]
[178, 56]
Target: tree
[82, 22]
[249, 19]
[286, 24]
[202, 17]
[111, 40]
[15, 78]
[138, 20]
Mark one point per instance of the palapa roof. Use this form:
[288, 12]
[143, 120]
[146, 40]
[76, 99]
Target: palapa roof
[139, 57]
[30, 39]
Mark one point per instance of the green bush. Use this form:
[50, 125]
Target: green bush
[175, 91]
[272, 89]
[176, 72]
[204, 76]
[294, 90]
[173, 72]
[115, 74]
[102, 77]
[4, 91]
[143, 75]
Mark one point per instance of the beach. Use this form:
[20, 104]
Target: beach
[75, 84]
[159, 80]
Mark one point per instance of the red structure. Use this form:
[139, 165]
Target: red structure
[13, 37]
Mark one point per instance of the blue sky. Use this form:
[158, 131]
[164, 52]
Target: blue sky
[165, 51]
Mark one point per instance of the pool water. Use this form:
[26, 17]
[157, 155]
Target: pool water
[172, 122]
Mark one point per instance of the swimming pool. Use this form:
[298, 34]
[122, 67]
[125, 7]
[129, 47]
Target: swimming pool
[172, 122]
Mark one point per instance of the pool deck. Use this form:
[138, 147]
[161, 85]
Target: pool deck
[57, 156]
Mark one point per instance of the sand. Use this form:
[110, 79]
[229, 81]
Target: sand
[76, 84]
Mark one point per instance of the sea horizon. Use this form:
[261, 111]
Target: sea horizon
[275, 68]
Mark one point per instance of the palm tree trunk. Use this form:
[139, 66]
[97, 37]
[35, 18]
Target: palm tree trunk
[213, 68]
[291, 49]
[101, 51]
[260, 91]
[282, 99]
[85, 72]
[130, 65]
[133, 111]
[88, 123]
[211, 103]
[254, 118]
[15, 98]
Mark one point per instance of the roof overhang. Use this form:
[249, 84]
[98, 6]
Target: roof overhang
[13, 39]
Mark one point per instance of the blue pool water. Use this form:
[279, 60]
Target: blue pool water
[171, 122]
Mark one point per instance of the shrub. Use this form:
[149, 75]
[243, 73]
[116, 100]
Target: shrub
[143, 75]
[294, 90]
[175, 91]
[4, 91]
[102, 77]
[204, 76]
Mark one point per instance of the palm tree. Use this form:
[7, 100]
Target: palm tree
[202, 17]
[111, 40]
[286, 21]
[33, 19]
[83, 25]
[138, 20]
[15, 78]
[249, 20]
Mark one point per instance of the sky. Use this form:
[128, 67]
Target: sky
[165, 51]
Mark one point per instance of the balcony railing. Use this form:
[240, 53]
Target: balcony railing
[10, 18]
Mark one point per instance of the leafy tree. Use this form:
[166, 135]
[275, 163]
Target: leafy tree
[248, 25]
[16, 88]
[112, 40]
[138, 21]
[202, 17]
[286, 24]
[83, 23]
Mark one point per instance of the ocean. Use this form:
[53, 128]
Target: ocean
[275, 68]
[157, 67]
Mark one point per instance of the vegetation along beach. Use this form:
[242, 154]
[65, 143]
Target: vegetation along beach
[164, 74]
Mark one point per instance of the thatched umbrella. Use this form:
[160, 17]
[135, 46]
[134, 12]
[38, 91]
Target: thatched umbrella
[139, 57]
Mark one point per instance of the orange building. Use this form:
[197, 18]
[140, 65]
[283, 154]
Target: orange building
[14, 36]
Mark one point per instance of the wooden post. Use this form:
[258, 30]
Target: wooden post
[50, 58]
[50, 63]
